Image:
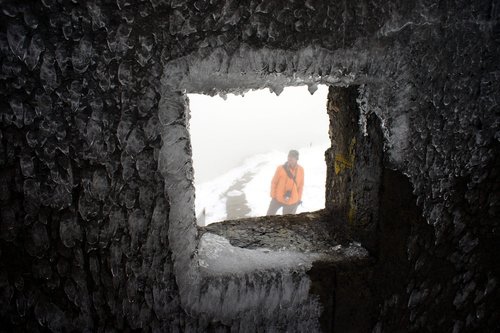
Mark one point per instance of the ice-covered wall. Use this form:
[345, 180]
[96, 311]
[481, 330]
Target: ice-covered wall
[83, 212]
[91, 235]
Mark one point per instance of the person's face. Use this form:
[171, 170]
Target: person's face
[292, 161]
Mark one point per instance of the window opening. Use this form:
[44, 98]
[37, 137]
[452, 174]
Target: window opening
[238, 141]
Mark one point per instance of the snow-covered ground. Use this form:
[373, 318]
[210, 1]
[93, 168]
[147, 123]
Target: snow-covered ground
[255, 176]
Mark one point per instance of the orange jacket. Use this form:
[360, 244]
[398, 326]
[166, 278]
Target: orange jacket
[282, 183]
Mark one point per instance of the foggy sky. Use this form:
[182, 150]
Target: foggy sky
[226, 132]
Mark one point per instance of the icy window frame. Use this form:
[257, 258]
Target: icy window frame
[220, 73]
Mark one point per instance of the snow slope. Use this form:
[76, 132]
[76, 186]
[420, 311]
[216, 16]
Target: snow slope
[211, 196]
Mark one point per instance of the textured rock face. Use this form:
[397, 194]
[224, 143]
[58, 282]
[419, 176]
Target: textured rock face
[95, 229]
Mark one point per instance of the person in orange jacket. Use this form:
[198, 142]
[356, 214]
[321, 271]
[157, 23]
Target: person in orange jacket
[287, 186]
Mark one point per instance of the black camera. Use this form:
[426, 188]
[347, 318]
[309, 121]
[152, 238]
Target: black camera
[288, 194]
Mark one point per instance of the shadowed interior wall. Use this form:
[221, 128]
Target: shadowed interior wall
[84, 211]
[355, 162]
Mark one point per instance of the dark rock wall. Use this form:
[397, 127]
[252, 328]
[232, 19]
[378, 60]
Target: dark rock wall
[83, 211]
[83, 222]
[355, 167]
[398, 215]
[452, 161]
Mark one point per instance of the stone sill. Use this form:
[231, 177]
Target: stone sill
[276, 243]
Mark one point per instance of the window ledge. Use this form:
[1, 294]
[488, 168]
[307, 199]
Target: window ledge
[275, 243]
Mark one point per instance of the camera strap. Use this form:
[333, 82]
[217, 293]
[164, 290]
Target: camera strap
[289, 173]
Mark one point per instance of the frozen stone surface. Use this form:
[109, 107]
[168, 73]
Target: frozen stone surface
[308, 232]
[97, 227]
[218, 257]
[243, 271]
[16, 35]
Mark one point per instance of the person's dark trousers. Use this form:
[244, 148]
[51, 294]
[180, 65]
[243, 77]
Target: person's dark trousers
[287, 209]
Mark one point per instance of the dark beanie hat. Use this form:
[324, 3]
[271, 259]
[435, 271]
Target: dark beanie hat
[293, 153]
